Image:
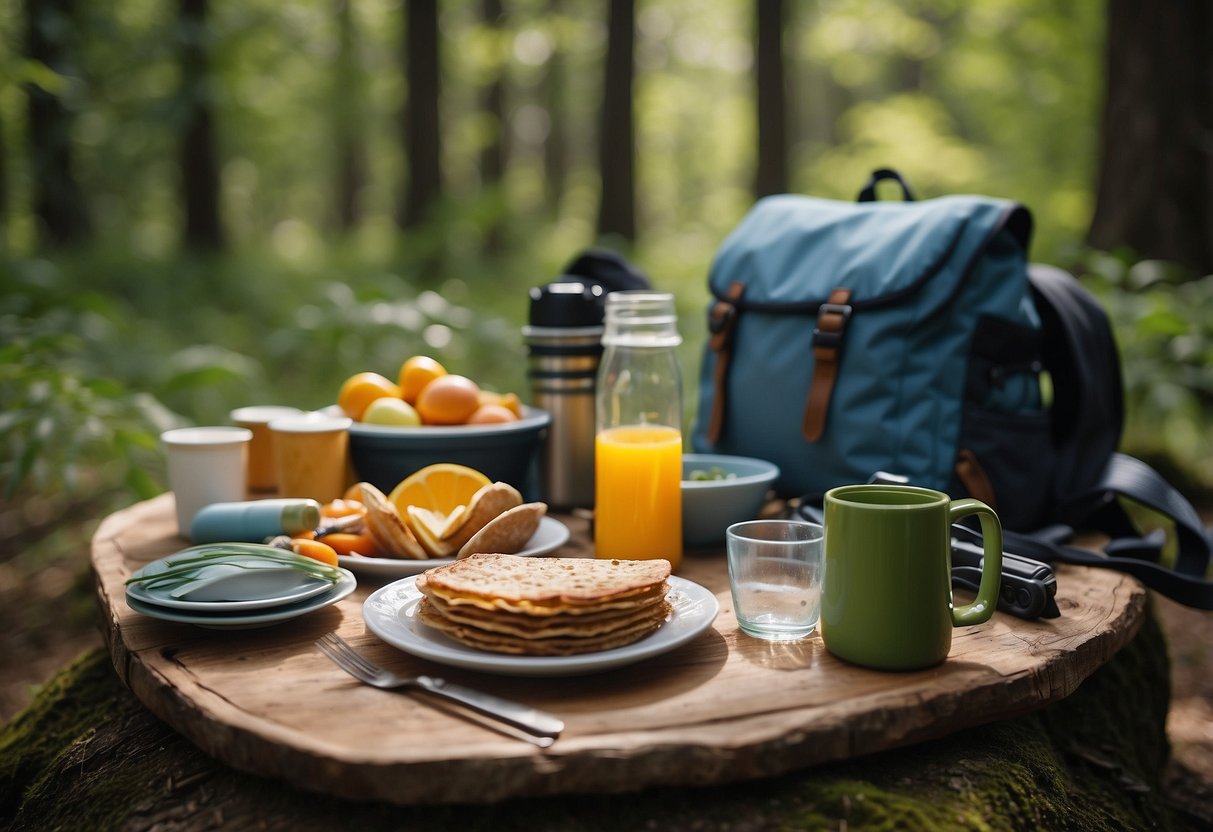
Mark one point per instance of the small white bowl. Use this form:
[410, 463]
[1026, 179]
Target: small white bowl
[711, 506]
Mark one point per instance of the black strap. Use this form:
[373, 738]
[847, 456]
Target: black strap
[1128, 550]
[868, 193]
[1079, 351]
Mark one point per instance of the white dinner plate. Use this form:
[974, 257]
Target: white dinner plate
[391, 613]
[295, 587]
[550, 536]
[249, 619]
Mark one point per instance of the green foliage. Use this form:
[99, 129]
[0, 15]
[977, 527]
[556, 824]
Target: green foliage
[1160, 317]
[105, 347]
[62, 414]
[102, 351]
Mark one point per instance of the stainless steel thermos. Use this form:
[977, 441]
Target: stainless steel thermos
[564, 344]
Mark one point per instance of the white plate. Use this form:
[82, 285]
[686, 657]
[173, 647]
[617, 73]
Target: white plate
[550, 536]
[391, 613]
[251, 618]
[292, 592]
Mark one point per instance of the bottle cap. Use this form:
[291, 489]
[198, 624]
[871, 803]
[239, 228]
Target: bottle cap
[300, 516]
[570, 303]
[641, 319]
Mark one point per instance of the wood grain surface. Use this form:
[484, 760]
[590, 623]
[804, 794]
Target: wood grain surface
[722, 708]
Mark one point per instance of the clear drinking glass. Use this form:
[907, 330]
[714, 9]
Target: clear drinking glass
[775, 571]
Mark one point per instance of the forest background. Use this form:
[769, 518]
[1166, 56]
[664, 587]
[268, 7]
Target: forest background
[207, 204]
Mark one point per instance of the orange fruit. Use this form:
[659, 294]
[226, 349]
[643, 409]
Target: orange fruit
[349, 543]
[342, 507]
[442, 488]
[510, 401]
[448, 400]
[360, 389]
[315, 550]
[491, 414]
[415, 374]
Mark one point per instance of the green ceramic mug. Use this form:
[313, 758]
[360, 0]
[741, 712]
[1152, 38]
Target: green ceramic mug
[886, 598]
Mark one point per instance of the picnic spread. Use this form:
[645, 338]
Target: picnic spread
[718, 707]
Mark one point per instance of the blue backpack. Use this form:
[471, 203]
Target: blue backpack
[912, 338]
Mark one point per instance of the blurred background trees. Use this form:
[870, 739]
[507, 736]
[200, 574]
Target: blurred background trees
[205, 204]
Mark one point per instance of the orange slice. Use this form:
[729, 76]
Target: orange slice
[442, 488]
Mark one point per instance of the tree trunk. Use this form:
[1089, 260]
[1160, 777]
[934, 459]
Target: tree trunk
[616, 134]
[771, 176]
[492, 102]
[556, 145]
[422, 136]
[1155, 181]
[87, 755]
[350, 151]
[58, 202]
[495, 154]
[199, 157]
[3, 188]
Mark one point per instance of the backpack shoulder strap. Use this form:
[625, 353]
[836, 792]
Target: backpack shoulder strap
[1081, 357]
[1080, 354]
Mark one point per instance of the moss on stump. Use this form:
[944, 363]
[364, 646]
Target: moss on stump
[87, 755]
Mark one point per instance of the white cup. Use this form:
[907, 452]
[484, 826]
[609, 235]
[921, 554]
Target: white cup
[775, 572]
[205, 465]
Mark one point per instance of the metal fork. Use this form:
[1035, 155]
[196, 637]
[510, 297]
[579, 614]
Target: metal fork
[538, 727]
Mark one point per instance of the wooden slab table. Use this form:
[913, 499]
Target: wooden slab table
[722, 708]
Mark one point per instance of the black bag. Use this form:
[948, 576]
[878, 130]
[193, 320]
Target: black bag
[1086, 419]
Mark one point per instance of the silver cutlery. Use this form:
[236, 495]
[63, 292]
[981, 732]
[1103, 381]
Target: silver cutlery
[538, 727]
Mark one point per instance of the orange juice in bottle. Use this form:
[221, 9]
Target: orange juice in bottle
[638, 498]
[638, 444]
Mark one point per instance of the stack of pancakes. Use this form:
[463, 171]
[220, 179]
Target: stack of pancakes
[545, 606]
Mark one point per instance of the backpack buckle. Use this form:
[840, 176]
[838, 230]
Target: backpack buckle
[832, 320]
[722, 317]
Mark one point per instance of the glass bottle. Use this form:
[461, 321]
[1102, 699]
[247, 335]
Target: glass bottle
[638, 439]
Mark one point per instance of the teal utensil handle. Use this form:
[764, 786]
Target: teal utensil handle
[983, 606]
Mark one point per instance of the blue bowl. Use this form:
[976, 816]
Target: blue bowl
[711, 506]
[383, 455]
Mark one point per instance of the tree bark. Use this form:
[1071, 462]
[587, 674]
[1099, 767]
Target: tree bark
[350, 163]
[199, 156]
[422, 134]
[771, 176]
[4, 187]
[1154, 192]
[556, 145]
[88, 755]
[58, 201]
[616, 134]
[492, 102]
[494, 156]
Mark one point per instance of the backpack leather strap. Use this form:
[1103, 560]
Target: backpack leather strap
[722, 322]
[974, 478]
[832, 319]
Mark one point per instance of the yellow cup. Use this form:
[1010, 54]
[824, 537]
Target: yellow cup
[311, 453]
[261, 476]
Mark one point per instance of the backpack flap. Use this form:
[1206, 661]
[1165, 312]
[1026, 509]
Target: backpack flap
[840, 333]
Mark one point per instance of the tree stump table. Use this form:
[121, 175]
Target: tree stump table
[786, 747]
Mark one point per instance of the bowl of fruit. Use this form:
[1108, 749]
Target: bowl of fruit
[719, 490]
[429, 415]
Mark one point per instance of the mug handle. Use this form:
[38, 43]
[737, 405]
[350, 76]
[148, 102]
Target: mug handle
[983, 606]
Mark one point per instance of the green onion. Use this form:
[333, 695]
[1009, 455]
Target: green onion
[184, 565]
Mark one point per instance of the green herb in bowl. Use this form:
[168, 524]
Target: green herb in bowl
[713, 473]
